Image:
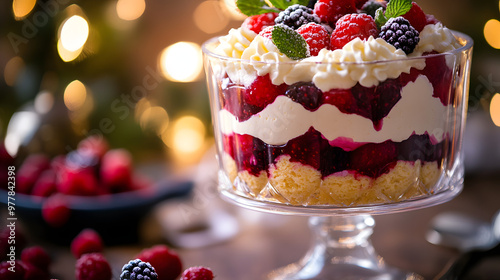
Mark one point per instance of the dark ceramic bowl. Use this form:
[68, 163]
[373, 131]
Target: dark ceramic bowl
[116, 217]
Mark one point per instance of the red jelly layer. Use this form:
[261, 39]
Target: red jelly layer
[312, 149]
[373, 103]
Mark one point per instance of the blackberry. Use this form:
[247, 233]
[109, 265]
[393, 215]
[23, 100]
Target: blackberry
[399, 33]
[373, 5]
[138, 270]
[312, 3]
[296, 15]
[306, 94]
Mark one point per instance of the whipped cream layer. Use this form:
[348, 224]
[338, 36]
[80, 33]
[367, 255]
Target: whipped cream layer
[418, 112]
[341, 68]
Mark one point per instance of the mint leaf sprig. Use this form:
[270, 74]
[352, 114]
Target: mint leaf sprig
[257, 7]
[289, 42]
[395, 8]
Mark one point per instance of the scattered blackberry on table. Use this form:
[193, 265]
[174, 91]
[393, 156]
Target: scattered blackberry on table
[399, 33]
[296, 15]
[137, 269]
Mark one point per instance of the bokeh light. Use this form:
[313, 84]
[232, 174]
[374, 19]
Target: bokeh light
[67, 55]
[209, 17]
[21, 8]
[130, 9]
[75, 95]
[495, 109]
[12, 69]
[154, 118]
[74, 33]
[181, 62]
[233, 10]
[44, 102]
[186, 136]
[492, 33]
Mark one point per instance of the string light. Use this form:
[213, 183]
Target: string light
[130, 9]
[21, 8]
[209, 17]
[75, 95]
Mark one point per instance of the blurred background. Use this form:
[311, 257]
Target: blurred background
[131, 71]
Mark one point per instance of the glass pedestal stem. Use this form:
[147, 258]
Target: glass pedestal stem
[341, 250]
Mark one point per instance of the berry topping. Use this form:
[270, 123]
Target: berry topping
[416, 17]
[166, 262]
[399, 33]
[267, 32]
[137, 269]
[306, 94]
[316, 37]
[371, 6]
[197, 273]
[329, 11]
[296, 15]
[36, 256]
[257, 23]
[92, 266]
[55, 210]
[87, 241]
[350, 27]
[262, 92]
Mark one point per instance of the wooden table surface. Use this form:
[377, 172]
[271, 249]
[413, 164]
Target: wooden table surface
[266, 241]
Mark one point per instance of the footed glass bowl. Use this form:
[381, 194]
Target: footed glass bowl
[339, 141]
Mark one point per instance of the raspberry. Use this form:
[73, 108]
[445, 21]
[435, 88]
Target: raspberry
[416, 17]
[262, 92]
[6, 274]
[167, 263]
[75, 180]
[296, 15]
[316, 37]
[306, 94]
[329, 11]
[350, 27]
[258, 22]
[92, 266]
[46, 184]
[87, 241]
[374, 160]
[137, 269]
[197, 273]
[55, 210]
[95, 145]
[116, 170]
[267, 32]
[29, 171]
[399, 33]
[36, 256]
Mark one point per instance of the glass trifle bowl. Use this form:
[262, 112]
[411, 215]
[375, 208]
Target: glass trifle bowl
[339, 141]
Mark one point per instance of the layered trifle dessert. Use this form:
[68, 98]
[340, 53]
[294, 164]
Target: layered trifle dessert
[333, 102]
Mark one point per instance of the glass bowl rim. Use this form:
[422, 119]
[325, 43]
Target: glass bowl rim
[464, 39]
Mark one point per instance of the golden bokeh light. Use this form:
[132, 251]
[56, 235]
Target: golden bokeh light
[12, 69]
[130, 9]
[154, 118]
[181, 62]
[495, 109]
[21, 8]
[67, 55]
[187, 135]
[75, 95]
[74, 33]
[233, 10]
[492, 33]
[209, 17]
[140, 107]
